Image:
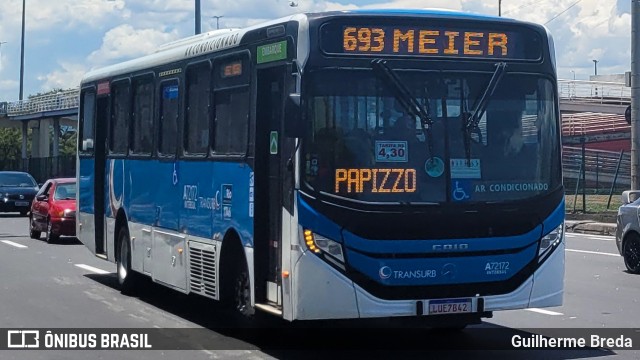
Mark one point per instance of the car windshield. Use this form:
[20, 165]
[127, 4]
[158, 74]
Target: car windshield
[364, 145]
[66, 191]
[16, 179]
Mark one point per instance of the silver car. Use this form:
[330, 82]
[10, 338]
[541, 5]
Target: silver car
[628, 230]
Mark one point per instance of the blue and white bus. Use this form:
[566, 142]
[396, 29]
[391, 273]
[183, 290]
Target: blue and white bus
[352, 164]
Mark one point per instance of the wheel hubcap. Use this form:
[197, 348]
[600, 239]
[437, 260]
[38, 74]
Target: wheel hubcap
[242, 293]
[124, 260]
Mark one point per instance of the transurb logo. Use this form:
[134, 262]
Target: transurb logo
[385, 272]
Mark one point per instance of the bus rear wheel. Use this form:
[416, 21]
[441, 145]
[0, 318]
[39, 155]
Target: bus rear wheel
[126, 276]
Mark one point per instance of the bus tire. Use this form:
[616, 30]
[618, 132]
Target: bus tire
[242, 290]
[237, 289]
[126, 277]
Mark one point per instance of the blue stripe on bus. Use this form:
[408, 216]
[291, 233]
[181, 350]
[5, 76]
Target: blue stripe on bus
[429, 270]
[438, 271]
[191, 202]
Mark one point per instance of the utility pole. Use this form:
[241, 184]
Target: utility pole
[635, 93]
[1, 42]
[22, 53]
[198, 17]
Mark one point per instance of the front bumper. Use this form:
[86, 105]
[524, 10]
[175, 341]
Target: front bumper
[63, 226]
[322, 292]
[11, 205]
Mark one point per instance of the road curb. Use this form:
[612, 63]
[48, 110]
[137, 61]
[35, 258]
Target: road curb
[591, 227]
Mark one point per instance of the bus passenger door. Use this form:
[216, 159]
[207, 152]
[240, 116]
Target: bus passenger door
[269, 172]
[102, 116]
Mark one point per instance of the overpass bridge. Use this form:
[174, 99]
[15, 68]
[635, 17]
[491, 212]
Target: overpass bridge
[40, 113]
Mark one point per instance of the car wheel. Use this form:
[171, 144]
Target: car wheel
[51, 237]
[34, 234]
[631, 254]
[126, 277]
[24, 212]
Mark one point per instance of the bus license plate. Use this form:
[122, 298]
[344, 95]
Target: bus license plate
[449, 306]
[22, 203]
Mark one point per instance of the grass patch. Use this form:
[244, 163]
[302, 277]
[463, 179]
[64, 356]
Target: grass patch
[592, 203]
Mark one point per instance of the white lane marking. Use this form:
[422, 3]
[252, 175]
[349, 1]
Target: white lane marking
[592, 237]
[592, 252]
[14, 244]
[93, 269]
[543, 311]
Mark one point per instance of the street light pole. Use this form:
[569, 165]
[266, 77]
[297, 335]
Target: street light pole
[198, 17]
[218, 20]
[499, 7]
[595, 67]
[22, 53]
[1, 42]
[635, 95]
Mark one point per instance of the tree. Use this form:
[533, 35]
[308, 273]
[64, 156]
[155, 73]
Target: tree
[10, 144]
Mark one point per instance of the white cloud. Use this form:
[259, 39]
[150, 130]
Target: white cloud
[126, 42]
[66, 77]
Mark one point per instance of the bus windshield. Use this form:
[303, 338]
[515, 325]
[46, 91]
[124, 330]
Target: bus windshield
[364, 145]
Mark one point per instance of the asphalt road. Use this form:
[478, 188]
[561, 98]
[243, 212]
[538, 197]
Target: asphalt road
[64, 286]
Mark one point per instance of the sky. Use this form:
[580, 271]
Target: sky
[66, 38]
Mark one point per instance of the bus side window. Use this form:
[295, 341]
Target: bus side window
[231, 105]
[87, 121]
[120, 111]
[169, 111]
[142, 119]
[196, 128]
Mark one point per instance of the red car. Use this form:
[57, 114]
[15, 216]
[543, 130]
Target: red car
[54, 210]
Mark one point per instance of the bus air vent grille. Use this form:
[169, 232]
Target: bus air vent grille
[203, 271]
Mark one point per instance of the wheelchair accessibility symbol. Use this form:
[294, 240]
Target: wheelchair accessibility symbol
[459, 193]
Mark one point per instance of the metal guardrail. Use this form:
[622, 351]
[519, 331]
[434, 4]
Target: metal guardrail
[599, 92]
[63, 100]
[600, 167]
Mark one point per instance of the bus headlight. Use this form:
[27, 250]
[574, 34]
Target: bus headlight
[320, 244]
[549, 242]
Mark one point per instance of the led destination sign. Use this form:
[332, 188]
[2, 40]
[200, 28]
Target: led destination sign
[375, 181]
[431, 41]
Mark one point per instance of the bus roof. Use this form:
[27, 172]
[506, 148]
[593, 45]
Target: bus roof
[425, 12]
[223, 39]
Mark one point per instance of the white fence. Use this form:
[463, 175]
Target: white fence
[594, 92]
[62, 100]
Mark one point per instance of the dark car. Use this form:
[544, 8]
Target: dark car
[54, 210]
[628, 230]
[17, 190]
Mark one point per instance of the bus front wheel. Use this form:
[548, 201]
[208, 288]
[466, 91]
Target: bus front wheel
[236, 292]
[126, 276]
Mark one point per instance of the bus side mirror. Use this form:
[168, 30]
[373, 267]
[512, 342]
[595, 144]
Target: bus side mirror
[293, 126]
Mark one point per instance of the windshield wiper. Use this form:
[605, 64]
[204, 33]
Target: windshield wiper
[470, 120]
[404, 97]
